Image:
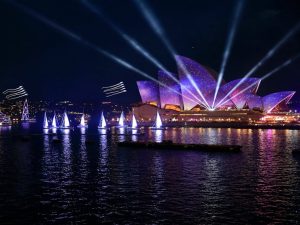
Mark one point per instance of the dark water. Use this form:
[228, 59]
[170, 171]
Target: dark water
[78, 183]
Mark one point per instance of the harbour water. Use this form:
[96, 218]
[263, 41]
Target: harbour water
[87, 179]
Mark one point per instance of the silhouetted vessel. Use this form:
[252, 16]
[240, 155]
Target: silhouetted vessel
[179, 146]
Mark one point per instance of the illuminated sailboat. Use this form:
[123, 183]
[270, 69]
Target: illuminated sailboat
[158, 123]
[121, 120]
[65, 124]
[45, 123]
[54, 121]
[25, 114]
[134, 125]
[82, 122]
[102, 124]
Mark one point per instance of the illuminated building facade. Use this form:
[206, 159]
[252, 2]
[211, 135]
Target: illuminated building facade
[197, 86]
[169, 98]
[149, 92]
[4, 119]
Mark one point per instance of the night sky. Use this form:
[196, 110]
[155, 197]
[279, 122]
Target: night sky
[51, 66]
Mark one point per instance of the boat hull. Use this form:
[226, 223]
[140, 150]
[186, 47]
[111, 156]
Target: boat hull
[131, 128]
[65, 128]
[181, 146]
[155, 128]
[120, 126]
[103, 128]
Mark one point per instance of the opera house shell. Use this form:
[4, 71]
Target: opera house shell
[194, 88]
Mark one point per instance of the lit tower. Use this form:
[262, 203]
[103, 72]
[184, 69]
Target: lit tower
[25, 113]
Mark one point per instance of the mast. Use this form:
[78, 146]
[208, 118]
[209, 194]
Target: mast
[54, 122]
[65, 121]
[134, 122]
[82, 121]
[158, 122]
[45, 124]
[121, 120]
[102, 121]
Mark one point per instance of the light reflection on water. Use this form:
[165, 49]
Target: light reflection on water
[156, 135]
[82, 130]
[121, 134]
[134, 136]
[86, 178]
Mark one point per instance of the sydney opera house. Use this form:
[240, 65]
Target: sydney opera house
[190, 96]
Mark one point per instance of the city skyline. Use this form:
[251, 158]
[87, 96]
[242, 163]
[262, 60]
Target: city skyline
[44, 60]
[149, 112]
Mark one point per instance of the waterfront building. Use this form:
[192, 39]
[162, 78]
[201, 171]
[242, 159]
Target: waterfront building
[182, 101]
[4, 120]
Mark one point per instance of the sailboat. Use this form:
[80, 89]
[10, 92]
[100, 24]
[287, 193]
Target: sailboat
[82, 122]
[158, 123]
[65, 124]
[54, 122]
[45, 124]
[25, 114]
[102, 124]
[134, 125]
[121, 120]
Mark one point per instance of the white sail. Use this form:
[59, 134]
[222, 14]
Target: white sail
[45, 124]
[158, 122]
[102, 121]
[121, 120]
[66, 122]
[54, 123]
[133, 122]
[82, 121]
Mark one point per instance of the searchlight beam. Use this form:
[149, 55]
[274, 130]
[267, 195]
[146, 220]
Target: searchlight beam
[79, 39]
[156, 27]
[237, 14]
[264, 59]
[133, 43]
[286, 63]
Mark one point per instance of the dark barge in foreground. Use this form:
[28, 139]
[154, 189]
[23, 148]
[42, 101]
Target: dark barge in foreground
[179, 146]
